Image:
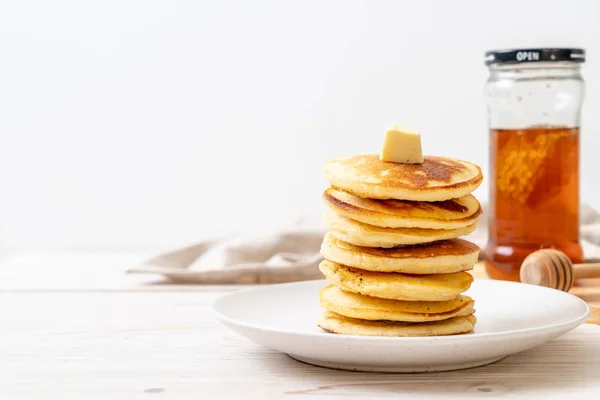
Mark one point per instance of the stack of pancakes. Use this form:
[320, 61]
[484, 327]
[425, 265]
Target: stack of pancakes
[393, 256]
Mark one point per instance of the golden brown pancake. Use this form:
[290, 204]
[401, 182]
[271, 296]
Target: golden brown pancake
[339, 324]
[442, 257]
[359, 306]
[361, 234]
[436, 179]
[447, 214]
[442, 287]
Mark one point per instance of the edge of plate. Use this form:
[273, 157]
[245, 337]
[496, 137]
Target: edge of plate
[570, 324]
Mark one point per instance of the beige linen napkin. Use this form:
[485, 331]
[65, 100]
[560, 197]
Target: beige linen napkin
[291, 254]
[282, 256]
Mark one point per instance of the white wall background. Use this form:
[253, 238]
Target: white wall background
[130, 125]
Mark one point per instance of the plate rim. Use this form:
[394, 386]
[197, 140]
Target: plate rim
[383, 339]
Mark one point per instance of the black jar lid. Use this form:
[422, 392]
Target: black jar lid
[517, 56]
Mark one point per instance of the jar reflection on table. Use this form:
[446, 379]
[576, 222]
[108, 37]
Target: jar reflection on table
[534, 118]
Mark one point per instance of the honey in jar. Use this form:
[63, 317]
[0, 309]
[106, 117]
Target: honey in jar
[534, 99]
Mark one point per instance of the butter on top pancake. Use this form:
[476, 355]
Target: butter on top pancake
[358, 306]
[442, 257]
[447, 214]
[385, 285]
[336, 323]
[437, 178]
[361, 234]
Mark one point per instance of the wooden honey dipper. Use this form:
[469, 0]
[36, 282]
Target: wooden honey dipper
[554, 269]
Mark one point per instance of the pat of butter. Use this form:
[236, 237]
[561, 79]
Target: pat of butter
[402, 145]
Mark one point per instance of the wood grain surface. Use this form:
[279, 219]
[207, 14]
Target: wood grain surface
[82, 329]
[127, 345]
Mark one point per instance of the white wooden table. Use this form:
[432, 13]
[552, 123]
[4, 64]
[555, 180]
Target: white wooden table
[77, 327]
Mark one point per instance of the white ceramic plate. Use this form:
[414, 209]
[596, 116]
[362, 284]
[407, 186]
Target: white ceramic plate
[511, 317]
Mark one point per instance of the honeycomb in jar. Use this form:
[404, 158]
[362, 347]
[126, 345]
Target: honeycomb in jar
[529, 164]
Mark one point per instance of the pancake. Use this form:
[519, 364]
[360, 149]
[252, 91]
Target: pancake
[436, 179]
[441, 287]
[361, 234]
[339, 324]
[447, 214]
[442, 257]
[374, 309]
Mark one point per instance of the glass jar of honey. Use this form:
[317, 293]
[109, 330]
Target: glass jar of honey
[534, 99]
